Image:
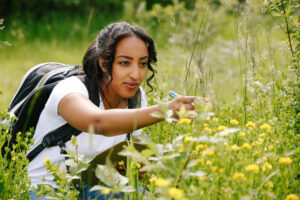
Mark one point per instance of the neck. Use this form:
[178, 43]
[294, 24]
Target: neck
[111, 101]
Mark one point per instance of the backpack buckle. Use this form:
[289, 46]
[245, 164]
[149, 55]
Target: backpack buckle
[48, 141]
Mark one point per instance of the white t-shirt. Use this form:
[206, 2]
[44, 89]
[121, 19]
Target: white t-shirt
[88, 144]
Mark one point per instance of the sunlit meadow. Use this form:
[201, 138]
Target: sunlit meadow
[243, 143]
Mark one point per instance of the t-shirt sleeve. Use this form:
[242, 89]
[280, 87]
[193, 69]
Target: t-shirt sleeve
[63, 88]
[143, 105]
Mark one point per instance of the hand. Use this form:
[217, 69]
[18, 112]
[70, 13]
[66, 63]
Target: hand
[180, 101]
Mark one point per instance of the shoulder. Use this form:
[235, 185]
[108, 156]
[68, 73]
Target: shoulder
[65, 87]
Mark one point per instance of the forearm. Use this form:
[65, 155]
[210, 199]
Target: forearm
[119, 121]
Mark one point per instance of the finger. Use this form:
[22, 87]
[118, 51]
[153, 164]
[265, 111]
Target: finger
[187, 99]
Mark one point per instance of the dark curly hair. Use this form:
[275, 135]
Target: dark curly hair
[105, 46]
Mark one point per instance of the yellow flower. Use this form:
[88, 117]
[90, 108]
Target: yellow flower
[242, 134]
[266, 166]
[153, 179]
[265, 159]
[185, 121]
[138, 165]
[246, 146]
[160, 182]
[208, 152]
[205, 125]
[175, 193]
[13, 158]
[285, 160]
[47, 160]
[250, 125]
[239, 176]
[200, 147]
[222, 128]
[265, 127]
[270, 147]
[252, 168]
[201, 178]
[270, 184]
[6, 131]
[208, 162]
[121, 162]
[292, 197]
[262, 135]
[215, 119]
[105, 191]
[28, 134]
[235, 148]
[11, 199]
[221, 170]
[234, 122]
[208, 129]
[215, 168]
[187, 139]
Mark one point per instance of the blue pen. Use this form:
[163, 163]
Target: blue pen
[174, 94]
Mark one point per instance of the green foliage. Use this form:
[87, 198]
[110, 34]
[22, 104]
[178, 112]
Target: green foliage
[14, 181]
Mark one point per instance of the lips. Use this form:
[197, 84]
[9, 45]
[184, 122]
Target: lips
[131, 86]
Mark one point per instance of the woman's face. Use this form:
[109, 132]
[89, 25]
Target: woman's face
[129, 67]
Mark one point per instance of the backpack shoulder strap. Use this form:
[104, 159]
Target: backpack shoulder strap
[64, 133]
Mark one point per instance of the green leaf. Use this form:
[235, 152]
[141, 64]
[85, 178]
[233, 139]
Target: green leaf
[98, 188]
[127, 188]
[110, 176]
[157, 114]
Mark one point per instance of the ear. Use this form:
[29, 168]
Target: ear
[101, 61]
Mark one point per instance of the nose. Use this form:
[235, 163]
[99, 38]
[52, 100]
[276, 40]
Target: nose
[135, 72]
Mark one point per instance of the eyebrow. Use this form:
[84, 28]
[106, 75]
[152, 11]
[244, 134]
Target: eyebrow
[130, 58]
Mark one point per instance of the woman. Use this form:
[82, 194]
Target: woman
[118, 62]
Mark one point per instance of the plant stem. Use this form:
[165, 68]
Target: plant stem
[287, 28]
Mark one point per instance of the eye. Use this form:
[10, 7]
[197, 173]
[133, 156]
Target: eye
[144, 64]
[124, 63]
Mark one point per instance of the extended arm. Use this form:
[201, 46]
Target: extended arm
[81, 113]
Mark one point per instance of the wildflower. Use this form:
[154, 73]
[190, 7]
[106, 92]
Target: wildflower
[270, 184]
[265, 159]
[19, 133]
[270, 147]
[266, 166]
[208, 129]
[28, 134]
[252, 168]
[292, 197]
[215, 168]
[222, 128]
[239, 176]
[205, 125]
[221, 170]
[208, 162]
[187, 139]
[208, 152]
[153, 179]
[185, 121]
[285, 160]
[138, 165]
[175, 193]
[246, 146]
[200, 147]
[160, 182]
[47, 160]
[201, 178]
[265, 127]
[235, 148]
[234, 122]
[105, 191]
[11, 199]
[6, 131]
[250, 125]
[242, 134]
[121, 162]
[262, 135]
[13, 158]
[215, 119]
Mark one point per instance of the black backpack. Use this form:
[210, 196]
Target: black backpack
[32, 95]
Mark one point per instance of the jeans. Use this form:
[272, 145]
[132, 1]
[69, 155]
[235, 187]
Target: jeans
[87, 195]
